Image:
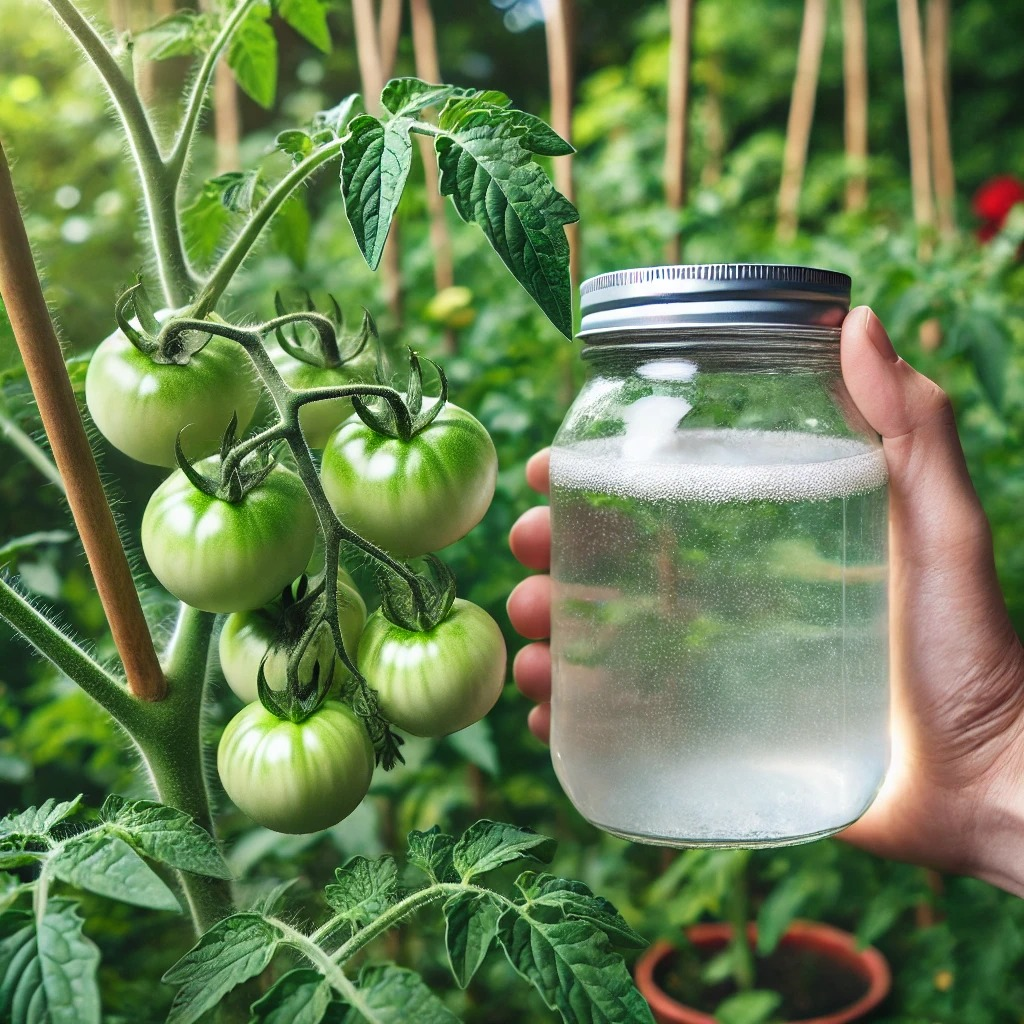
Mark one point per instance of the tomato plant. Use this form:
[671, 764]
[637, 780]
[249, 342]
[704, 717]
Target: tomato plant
[225, 553]
[296, 776]
[234, 527]
[412, 495]
[436, 681]
[141, 406]
[249, 637]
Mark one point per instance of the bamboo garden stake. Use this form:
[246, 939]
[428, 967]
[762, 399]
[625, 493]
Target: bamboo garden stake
[937, 71]
[855, 99]
[801, 116]
[681, 22]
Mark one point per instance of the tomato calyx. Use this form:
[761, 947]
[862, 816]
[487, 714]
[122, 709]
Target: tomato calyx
[327, 354]
[400, 606]
[385, 420]
[235, 477]
[147, 328]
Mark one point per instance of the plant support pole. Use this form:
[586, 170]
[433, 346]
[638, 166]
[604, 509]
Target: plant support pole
[44, 362]
[855, 97]
[801, 116]
[681, 19]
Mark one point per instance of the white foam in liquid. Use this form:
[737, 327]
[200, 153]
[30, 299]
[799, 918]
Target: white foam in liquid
[721, 465]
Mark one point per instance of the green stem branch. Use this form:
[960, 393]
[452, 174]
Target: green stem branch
[158, 186]
[170, 739]
[242, 245]
[63, 652]
[32, 451]
[182, 144]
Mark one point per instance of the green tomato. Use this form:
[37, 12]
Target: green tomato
[248, 636]
[438, 681]
[318, 419]
[411, 497]
[221, 556]
[296, 777]
[140, 406]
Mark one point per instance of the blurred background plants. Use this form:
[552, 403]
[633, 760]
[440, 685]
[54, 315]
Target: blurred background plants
[911, 240]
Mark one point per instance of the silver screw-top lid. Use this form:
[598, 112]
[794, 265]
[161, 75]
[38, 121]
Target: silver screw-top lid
[711, 294]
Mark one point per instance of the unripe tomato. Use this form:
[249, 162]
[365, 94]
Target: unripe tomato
[248, 636]
[411, 497]
[438, 681]
[140, 406]
[223, 556]
[296, 777]
[319, 419]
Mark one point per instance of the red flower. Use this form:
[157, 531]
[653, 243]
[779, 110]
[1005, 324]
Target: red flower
[993, 202]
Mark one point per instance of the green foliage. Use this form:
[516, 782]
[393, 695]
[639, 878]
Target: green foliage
[563, 947]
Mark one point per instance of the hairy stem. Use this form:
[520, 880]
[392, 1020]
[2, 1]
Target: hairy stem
[171, 743]
[32, 451]
[335, 976]
[221, 275]
[158, 186]
[178, 158]
[396, 914]
[63, 652]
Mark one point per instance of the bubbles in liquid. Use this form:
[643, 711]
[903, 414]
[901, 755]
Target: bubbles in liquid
[719, 642]
[722, 465]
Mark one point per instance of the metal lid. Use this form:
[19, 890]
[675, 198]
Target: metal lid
[708, 294]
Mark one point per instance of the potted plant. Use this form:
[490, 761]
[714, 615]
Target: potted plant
[753, 968]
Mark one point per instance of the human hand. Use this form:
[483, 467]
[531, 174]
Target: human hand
[953, 798]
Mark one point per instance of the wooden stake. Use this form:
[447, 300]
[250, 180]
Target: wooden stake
[801, 116]
[227, 118]
[855, 94]
[681, 22]
[915, 91]
[23, 299]
[428, 68]
[937, 71]
[558, 17]
[371, 73]
[390, 32]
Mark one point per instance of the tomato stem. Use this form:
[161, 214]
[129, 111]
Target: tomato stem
[158, 183]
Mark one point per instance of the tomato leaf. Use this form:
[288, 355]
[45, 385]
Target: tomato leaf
[232, 951]
[182, 34]
[107, 865]
[205, 221]
[571, 900]
[485, 157]
[573, 968]
[38, 821]
[989, 350]
[404, 97]
[476, 744]
[309, 19]
[48, 967]
[753, 1007]
[296, 143]
[31, 541]
[471, 926]
[375, 163]
[396, 995]
[301, 996]
[252, 55]
[487, 845]
[290, 230]
[363, 889]
[431, 852]
[165, 834]
[335, 119]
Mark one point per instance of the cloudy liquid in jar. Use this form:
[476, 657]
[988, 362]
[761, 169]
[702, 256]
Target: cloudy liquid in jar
[719, 635]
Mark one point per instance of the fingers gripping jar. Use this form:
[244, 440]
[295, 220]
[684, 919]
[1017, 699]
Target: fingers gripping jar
[719, 517]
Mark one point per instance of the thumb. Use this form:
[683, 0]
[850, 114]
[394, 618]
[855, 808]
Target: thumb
[936, 516]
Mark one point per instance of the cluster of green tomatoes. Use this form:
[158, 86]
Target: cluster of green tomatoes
[236, 535]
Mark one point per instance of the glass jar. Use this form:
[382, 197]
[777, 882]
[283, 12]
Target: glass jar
[719, 507]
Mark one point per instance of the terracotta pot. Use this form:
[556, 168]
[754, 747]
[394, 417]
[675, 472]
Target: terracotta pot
[838, 946]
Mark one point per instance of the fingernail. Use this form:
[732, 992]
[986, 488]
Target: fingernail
[879, 338]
